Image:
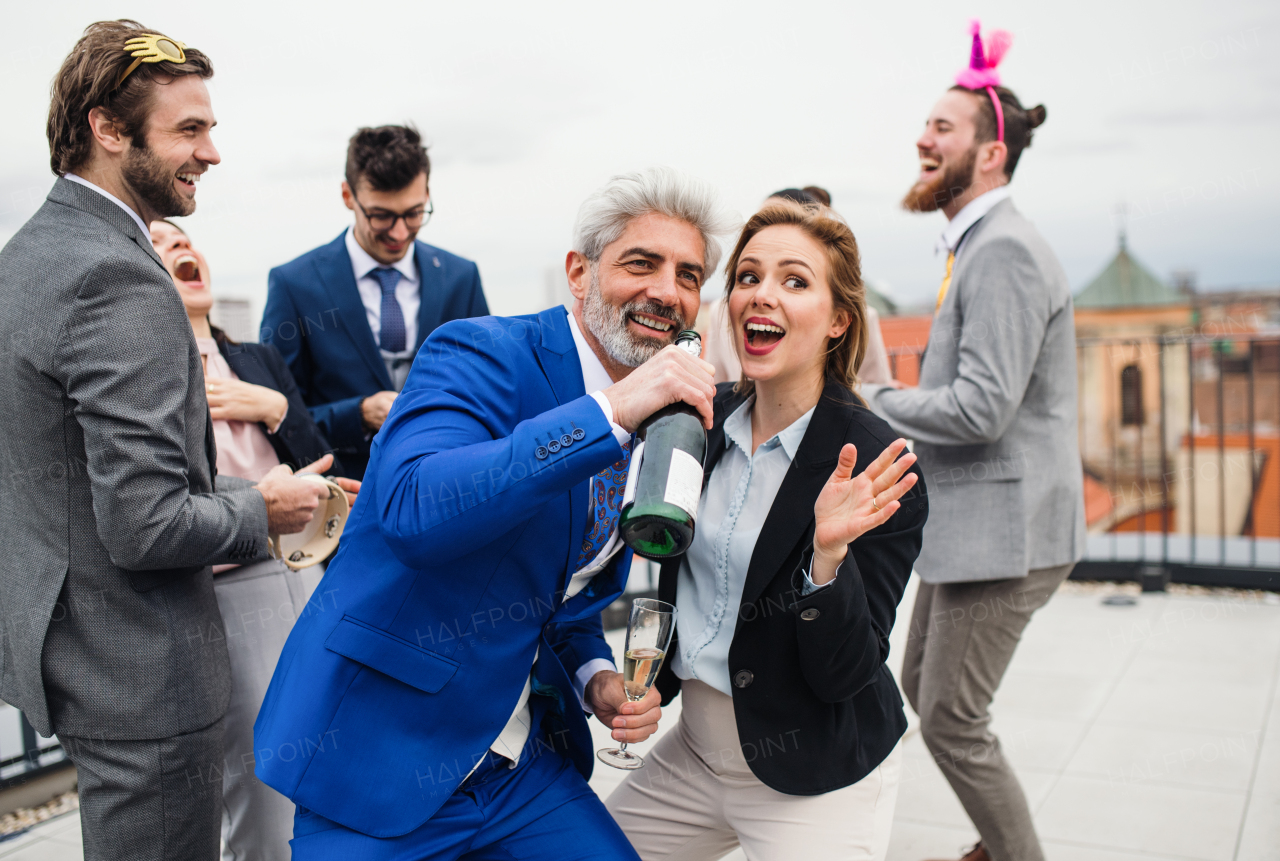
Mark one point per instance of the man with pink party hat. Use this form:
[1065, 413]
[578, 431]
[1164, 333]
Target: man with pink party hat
[994, 424]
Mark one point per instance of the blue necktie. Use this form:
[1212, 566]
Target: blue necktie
[606, 501]
[391, 338]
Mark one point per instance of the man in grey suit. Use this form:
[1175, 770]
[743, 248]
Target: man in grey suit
[994, 425]
[112, 516]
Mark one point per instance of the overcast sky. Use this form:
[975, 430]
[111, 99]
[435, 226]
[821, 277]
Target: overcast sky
[1172, 108]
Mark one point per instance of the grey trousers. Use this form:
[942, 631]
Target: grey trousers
[154, 800]
[961, 640]
[259, 604]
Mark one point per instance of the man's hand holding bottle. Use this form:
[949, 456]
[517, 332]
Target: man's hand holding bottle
[672, 375]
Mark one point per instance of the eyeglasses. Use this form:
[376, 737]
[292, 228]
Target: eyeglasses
[382, 221]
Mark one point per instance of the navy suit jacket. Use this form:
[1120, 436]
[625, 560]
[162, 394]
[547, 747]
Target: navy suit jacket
[449, 579]
[315, 317]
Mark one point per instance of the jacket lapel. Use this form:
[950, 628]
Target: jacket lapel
[430, 291]
[791, 515]
[333, 266]
[74, 194]
[559, 360]
[245, 365]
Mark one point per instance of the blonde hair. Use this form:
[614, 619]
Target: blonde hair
[844, 279]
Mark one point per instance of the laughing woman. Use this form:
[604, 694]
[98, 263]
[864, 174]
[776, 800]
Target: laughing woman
[259, 421]
[787, 742]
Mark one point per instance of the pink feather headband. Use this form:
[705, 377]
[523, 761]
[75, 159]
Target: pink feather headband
[982, 74]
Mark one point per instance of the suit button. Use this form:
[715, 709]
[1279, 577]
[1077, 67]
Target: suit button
[743, 679]
[566, 440]
[553, 446]
[579, 434]
[540, 452]
[810, 614]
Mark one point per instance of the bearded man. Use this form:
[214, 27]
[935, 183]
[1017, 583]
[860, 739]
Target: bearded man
[440, 712]
[113, 512]
[994, 424]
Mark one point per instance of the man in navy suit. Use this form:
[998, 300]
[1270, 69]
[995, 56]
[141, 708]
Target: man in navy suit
[437, 708]
[349, 316]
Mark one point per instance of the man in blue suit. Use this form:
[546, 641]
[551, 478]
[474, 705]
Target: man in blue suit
[349, 316]
[437, 708]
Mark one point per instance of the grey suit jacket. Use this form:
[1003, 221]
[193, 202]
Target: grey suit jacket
[994, 417]
[108, 509]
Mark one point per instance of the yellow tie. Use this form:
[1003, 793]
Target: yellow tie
[946, 279]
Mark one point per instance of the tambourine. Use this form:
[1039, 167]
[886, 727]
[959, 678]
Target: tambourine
[319, 539]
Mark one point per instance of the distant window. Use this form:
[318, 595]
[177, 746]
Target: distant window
[1131, 395]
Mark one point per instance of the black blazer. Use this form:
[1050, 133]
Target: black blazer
[298, 441]
[816, 707]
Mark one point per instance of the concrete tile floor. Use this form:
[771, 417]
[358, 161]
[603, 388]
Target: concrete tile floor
[1143, 733]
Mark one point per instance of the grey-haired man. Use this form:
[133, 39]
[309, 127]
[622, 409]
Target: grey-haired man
[469, 626]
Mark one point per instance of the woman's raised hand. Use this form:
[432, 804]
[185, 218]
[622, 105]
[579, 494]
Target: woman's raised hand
[850, 505]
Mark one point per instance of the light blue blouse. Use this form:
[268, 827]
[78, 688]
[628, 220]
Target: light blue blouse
[731, 513]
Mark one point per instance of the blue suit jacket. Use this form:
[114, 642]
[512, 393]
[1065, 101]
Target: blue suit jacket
[450, 577]
[315, 317]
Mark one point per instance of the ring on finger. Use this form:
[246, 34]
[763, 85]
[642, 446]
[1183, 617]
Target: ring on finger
[875, 504]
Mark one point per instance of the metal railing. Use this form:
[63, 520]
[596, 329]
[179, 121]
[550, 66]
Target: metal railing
[1180, 448]
[25, 755]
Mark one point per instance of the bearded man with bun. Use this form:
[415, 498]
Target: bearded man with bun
[994, 424]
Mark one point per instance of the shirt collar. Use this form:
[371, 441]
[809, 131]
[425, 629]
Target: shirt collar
[737, 428]
[969, 216]
[594, 377]
[363, 263]
[137, 219]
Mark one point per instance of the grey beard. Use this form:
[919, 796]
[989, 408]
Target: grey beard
[608, 324]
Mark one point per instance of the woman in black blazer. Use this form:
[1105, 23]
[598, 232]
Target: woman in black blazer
[259, 422]
[298, 441]
[810, 520]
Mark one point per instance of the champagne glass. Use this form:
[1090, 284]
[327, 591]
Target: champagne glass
[648, 638]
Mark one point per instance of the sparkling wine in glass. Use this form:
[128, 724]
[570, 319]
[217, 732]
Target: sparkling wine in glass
[648, 638]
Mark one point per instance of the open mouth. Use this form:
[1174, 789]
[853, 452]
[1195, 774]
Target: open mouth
[187, 270]
[761, 335]
[189, 179]
[653, 326]
[928, 164]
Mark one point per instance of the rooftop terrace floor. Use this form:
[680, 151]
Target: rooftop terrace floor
[1140, 733]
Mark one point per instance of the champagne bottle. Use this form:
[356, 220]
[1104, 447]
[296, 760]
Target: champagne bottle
[658, 521]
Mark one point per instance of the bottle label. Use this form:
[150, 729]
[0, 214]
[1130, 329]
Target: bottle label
[684, 482]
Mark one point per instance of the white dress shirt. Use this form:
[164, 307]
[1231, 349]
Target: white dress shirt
[512, 739]
[731, 514]
[408, 294]
[146, 231]
[953, 237]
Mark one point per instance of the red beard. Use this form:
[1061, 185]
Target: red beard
[929, 195]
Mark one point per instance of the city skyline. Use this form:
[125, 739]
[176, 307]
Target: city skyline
[1161, 109]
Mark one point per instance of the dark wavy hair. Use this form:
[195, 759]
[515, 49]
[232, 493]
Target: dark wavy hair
[388, 157]
[90, 78]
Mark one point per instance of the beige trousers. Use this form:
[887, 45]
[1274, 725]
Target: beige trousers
[696, 799]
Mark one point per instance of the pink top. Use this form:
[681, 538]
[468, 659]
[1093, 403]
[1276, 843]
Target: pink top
[243, 448]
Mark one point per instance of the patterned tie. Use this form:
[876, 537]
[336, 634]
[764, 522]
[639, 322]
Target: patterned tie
[606, 500]
[946, 280]
[391, 338]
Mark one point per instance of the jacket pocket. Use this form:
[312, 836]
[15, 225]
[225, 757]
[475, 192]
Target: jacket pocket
[390, 655]
[145, 581]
